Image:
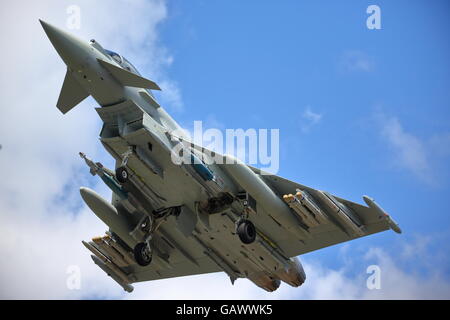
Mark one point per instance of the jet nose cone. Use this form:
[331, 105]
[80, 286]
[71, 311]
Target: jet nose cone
[50, 30]
[56, 35]
[69, 47]
[43, 24]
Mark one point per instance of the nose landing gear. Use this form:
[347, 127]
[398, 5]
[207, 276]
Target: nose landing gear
[122, 174]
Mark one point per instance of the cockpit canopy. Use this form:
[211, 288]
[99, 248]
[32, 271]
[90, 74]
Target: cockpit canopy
[124, 63]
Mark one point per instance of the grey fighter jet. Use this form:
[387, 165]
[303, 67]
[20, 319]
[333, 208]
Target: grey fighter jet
[172, 219]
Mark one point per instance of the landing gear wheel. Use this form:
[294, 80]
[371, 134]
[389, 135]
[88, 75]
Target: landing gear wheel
[122, 174]
[142, 254]
[246, 231]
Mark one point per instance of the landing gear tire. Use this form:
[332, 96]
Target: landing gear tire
[122, 174]
[142, 254]
[246, 231]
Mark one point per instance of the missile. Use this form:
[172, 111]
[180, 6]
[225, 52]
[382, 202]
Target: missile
[95, 251]
[126, 255]
[96, 168]
[126, 286]
[129, 200]
[108, 214]
[298, 204]
[349, 220]
[109, 251]
[112, 268]
[373, 205]
[306, 199]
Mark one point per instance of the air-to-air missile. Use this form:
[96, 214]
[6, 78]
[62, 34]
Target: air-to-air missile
[96, 168]
[107, 268]
[346, 217]
[306, 208]
[106, 211]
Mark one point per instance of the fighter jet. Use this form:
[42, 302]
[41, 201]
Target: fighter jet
[171, 219]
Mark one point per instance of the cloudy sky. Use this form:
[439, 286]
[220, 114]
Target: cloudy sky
[359, 112]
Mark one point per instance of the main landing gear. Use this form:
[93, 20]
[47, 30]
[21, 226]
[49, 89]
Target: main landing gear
[143, 251]
[246, 231]
[143, 254]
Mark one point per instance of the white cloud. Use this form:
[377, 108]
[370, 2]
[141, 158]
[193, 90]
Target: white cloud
[420, 276]
[310, 119]
[426, 156]
[42, 217]
[356, 61]
[410, 152]
[409, 149]
[429, 283]
[170, 95]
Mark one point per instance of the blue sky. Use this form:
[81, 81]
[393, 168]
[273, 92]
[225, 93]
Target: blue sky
[379, 93]
[359, 112]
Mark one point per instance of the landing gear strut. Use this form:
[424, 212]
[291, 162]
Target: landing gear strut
[143, 250]
[143, 254]
[245, 229]
[121, 172]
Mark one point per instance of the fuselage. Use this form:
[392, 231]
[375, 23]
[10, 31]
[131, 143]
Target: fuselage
[135, 122]
[172, 203]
